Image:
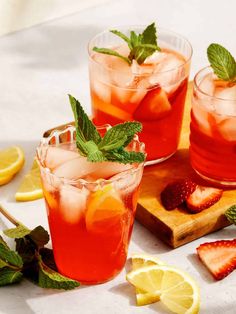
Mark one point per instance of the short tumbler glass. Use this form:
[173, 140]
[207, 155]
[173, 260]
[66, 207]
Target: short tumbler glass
[213, 129]
[90, 220]
[153, 93]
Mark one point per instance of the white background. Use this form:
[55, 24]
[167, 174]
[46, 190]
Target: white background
[39, 66]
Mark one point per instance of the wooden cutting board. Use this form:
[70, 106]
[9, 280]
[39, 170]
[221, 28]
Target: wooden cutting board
[178, 227]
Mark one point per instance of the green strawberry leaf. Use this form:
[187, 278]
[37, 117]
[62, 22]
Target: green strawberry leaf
[9, 276]
[231, 214]
[222, 62]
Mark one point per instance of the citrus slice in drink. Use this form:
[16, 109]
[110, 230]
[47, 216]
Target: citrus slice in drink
[30, 188]
[104, 209]
[175, 288]
[11, 161]
[142, 260]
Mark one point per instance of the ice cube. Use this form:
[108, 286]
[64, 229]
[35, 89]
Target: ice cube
[55, 156]
[72, 202]
[105, 170]
[201, 116]
[155, 58]
[207, 84]
[227, 128]
[126, 182]
[75, 168]
[100, 77]
[225, 100]
[169, 73]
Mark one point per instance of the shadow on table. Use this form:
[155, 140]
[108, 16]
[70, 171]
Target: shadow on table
[51, 45]
[147, 241]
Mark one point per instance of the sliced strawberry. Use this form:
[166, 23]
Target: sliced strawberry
[202, 198]
[176, 193]
[155, 105]
[219, 257]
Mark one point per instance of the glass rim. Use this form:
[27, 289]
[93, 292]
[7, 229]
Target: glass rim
[45, 142]
[160, 29]
[199, 89]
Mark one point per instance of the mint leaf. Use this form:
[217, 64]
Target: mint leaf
[111, 53]
[18, 232]
[9, 276]
[141, 45]
[231, 214]
[85, 130]
[48, 258]
[149, 35]
[222, 62]
[10, 257]
[121, 35]
[119, 135]
[39, 236]
[3, 242]
[26, 249]
[125, 157]
[48, 278]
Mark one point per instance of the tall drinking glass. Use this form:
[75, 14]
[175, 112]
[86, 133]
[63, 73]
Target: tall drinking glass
[90, 207]
[213, 128]
[152, 93]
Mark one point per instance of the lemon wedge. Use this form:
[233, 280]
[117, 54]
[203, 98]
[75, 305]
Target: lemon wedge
[175, 288]
[30, 188]
[5, 179]
[11, 161]
[142, 260]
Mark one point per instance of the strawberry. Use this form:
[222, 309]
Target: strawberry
[155, 105]
[176, 193]
[202, 198]
[219, 257]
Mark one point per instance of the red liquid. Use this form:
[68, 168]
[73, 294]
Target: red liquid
[212, 156]
[159, 111]
[95, 254]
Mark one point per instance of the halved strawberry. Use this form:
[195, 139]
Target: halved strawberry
[219, 257]
[155, 105]
[202, 198]
[176, 193]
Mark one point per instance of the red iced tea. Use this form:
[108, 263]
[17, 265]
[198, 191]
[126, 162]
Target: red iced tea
[213, 128]
[90, 207]
[152, 93]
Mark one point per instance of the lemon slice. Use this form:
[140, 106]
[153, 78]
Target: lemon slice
[176, 289]
[30, 188]
[104, 209]
[11, 161]
[142, 260]
[5, 179]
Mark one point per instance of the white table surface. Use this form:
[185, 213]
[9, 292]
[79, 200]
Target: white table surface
[39, 67]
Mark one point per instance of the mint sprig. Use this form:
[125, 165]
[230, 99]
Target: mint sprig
[112, 146]
[141, 45]
[30, 259]
[222, 62]
[231, 214]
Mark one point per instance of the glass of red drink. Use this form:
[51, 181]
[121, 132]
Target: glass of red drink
[213, 128]
[152, 93]
[90, 207]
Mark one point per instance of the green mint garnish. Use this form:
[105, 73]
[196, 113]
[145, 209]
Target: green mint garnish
[231, 214]
[222, 62]
[111, 147]
[30, 259]
[141, 45]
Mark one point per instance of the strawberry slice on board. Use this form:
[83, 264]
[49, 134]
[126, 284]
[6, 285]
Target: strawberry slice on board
[155, 105]
[219, 257]
[202, 198]
[177, 192]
